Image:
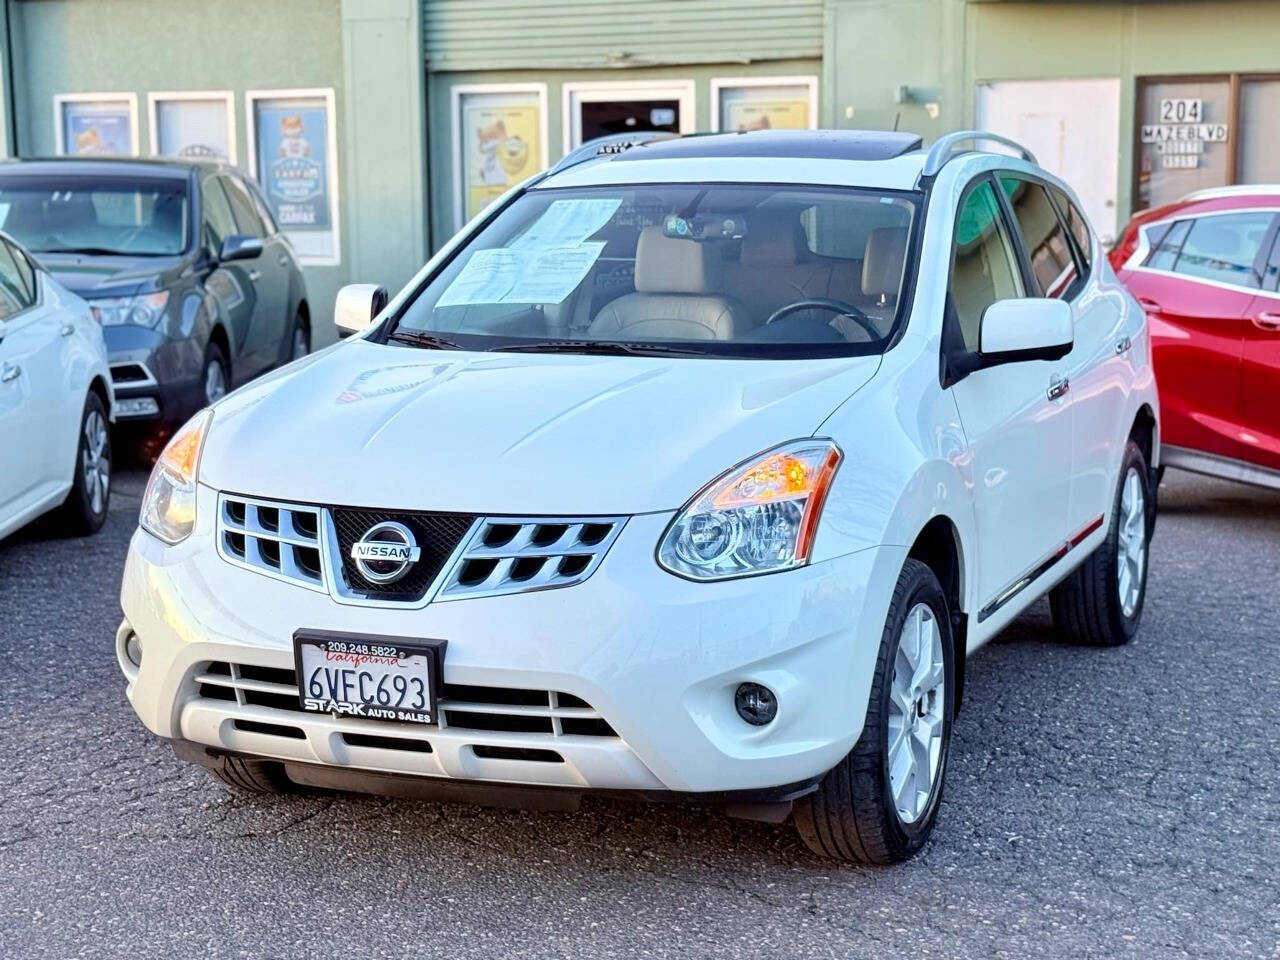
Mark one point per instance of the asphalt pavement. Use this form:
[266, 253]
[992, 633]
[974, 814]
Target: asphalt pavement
[1099, 803]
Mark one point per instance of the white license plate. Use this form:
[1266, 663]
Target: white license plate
[371, 677]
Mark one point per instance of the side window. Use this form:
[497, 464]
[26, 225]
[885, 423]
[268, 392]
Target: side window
[1164, 253]
[14, 297]
[984, 268]
[1053, 266]
[242, 208]
[27, 272]
[1224, 248]
[1078, 227]
[218, 223]
[260, 204]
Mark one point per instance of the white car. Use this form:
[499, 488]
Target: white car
[691, 470]
[56, 401]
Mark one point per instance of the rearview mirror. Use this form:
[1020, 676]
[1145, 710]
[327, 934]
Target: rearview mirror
[240, 246]
[1030, 328]
[356, 305]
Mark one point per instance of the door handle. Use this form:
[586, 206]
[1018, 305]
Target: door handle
[255, 275]
[10, 371]
[1059, 387]
[1149, 305]
[1267, 320]
[1123, 345]
[67, 329]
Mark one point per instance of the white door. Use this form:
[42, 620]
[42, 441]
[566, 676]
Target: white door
[1073, 128]
[1017, 427]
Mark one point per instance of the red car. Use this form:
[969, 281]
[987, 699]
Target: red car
[1205, 269]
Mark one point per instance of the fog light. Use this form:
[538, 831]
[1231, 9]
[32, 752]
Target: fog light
[137, 407]
[756, 704]
[133, 649]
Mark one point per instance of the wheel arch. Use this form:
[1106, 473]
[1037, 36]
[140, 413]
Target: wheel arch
[939, 546]
[218, 335]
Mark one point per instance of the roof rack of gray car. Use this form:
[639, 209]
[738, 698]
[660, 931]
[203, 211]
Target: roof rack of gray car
[611, 145]
[951, 144]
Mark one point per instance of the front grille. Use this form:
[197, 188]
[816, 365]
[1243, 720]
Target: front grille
[279, 539]
[516, 554]
[437, 534]
[463, 707]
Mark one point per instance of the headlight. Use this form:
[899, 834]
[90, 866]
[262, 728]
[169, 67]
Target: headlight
[759, 517]
[169, 505]
[144, 311]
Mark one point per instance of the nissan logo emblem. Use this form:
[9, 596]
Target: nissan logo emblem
[386, 552]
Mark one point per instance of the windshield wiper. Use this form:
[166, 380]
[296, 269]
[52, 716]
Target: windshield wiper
[430, 340]
[603, 347]
[96, 251]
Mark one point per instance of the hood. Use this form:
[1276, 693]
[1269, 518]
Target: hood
[111, 276]
[364, 424]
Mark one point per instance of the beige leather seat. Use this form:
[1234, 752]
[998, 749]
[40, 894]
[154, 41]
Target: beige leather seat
[678, 296]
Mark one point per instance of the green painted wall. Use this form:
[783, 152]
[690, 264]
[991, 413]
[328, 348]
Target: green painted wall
[945, 48]
[439, 85]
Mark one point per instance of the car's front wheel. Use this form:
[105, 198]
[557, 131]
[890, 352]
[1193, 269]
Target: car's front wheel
[880, 803]
[1100, 604]
[216, 377]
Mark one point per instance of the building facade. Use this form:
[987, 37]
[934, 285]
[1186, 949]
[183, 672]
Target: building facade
[378, 127]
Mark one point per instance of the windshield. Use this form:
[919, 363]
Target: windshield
[95, 215]
[724, 269]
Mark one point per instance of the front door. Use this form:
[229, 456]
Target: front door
[1260, 376]
[1073, 128]
[230, 283]
[601, 109]
[269, 273]
[1019, 435]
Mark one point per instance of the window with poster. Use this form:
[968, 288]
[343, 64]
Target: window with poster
[294, 156]
[740, 104]
[96, 124]
[499, 139]
[1197, 132]
[193, 123]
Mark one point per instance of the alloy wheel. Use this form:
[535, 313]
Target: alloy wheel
[917, 704]
[95, 462]
[1131, 544]
[215, 381]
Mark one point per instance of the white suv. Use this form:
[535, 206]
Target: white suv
[694, 469]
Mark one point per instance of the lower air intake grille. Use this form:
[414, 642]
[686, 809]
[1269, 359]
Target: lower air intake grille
[437, 535]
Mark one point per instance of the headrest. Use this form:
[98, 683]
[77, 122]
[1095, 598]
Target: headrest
[773, 240]
[670, 265]
[882, 262]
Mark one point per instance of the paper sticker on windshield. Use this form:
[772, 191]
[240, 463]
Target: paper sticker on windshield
[486, 278]
[567, 223]
[551, 275]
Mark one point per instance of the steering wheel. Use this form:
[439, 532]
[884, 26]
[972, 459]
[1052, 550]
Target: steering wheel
[825, 303]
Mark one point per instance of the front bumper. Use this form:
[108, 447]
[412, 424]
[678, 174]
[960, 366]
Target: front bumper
[147, 365]
[655, 657]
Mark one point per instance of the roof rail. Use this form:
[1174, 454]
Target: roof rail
[947, 146]
[611, 145]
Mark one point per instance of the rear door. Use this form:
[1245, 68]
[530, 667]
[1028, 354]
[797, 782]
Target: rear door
[33, 408]
[1260, 369]
[1197, 285]
[1018, 427]
[269, 272]
[1059, 249]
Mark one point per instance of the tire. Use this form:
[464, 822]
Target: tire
[241, 775]
[853, 815]
[85, 509]
[299, 338]
[1088, 607]
[215, 382]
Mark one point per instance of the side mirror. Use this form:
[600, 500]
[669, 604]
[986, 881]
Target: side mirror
[1031, 328]
[240, 246]
[356, 305]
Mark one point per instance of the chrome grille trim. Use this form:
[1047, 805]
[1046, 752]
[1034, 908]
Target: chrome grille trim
[245, 525]
[532, 555]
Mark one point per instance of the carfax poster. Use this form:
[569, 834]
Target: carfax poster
[501, 145]
[97, 128]
[293, 167]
